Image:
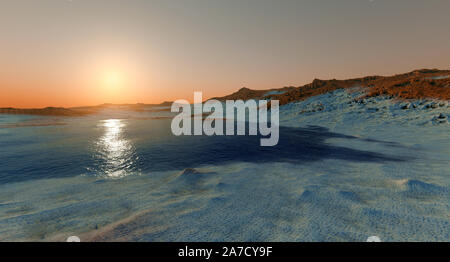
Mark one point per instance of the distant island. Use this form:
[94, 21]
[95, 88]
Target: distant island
[78, 111]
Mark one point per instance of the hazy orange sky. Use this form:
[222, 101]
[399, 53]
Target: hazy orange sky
[75, 53]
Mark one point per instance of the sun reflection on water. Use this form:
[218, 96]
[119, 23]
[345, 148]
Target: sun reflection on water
[115, 152]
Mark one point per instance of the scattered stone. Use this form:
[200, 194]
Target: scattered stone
[407, 106]
[442, 116]
[432, 105]
[362, 101]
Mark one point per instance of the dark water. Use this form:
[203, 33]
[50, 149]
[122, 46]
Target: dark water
[45, 147]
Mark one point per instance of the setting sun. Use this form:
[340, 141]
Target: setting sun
[113, 79]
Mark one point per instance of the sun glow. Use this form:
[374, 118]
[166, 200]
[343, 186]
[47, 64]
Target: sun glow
[113, 79]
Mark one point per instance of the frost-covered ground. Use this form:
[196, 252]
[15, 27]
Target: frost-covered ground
[343, 171]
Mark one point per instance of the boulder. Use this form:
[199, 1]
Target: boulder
[442, 116]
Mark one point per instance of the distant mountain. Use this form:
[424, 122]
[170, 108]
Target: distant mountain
[246, 93]
[48, 111]
[418, 84]
[81, 111]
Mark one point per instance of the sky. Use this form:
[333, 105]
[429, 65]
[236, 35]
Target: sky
[88, 52]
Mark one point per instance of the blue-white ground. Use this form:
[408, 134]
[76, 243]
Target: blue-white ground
[343, 171]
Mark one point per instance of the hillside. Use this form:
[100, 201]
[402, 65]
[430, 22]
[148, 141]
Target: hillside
[418, 84]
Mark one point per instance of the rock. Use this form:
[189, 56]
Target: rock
[362, 102]
[416, 188]
[189, 171]
[432, 105]
[407, 106]
[441, 119]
